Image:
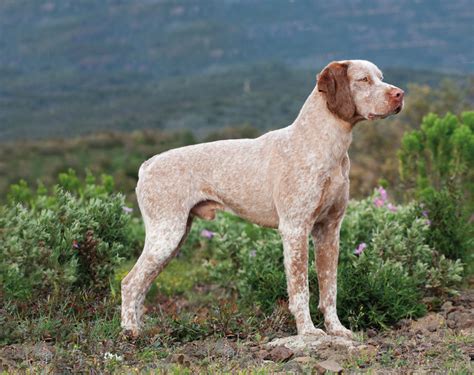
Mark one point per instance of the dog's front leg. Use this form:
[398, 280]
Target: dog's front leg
[326, 242]
[295, 247]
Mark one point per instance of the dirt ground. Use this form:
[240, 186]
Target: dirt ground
[441, 342]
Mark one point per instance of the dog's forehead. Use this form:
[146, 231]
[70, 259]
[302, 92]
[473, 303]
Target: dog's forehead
[361, 68]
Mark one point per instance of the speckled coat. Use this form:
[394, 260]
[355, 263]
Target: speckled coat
[295, 179]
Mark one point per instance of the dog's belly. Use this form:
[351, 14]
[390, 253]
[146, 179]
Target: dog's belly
[264, 216]
[254, 204]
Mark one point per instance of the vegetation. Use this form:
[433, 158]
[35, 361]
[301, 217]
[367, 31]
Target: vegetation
[440, 155]
[373, 152]
[99, 66]
[82, 240]
[386, 265]
[68, 241]
[436, 168]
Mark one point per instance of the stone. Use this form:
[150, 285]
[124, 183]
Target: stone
[447, 306]
[182, 359]
[262, 353]
[279, 354]
[303, 360]
[460, 320]
[292, 367]
[312, 343]
[42, 352]
[371, 333]
[431, 323]
[328, 365]
[222, 348]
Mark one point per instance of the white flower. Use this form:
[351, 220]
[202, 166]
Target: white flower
[111, 356]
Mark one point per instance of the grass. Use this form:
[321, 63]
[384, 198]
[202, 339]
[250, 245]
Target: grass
[173, 332]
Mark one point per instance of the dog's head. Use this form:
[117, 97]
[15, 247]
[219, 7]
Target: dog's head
[355, 91]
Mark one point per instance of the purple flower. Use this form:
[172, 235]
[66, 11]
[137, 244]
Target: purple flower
[392, 208]
[207, 234]
[127, 210]
[425, 213]
[379, 202]
[428, 222]
[383, 193]
[253, 253]
[360, 248]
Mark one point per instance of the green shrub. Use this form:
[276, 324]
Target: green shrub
[450, 232]
[383, 283]
[440, 155]
[437, 167]
[51, 244]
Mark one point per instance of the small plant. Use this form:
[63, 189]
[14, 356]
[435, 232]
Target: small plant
[68, 240]
[439, 155]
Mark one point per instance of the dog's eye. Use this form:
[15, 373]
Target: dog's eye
[365, 79]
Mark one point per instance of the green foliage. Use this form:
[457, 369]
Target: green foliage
[437, 163]
[376, 288]
[450, 231]
[69, 240]
[439, 155]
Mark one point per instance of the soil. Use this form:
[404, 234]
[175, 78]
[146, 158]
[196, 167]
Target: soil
[440, 342]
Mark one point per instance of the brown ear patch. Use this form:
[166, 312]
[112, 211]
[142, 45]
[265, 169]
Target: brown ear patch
[333, 82]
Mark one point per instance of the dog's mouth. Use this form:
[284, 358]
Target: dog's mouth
[375, 116]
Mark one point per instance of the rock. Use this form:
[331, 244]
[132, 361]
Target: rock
[328, 365]
[402, 323]
[460, 319]
[448, 305]
[279, 354]
[303, 360]
[371, 333]
[431, 323]
[313, 343]
[369, 351]
[262, 353]
[182, 359]
[42, 352]
[222, 348]
[292, 367]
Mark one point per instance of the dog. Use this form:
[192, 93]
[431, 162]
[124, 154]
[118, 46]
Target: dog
[294, 179]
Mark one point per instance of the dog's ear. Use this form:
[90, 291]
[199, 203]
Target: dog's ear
[334, 83]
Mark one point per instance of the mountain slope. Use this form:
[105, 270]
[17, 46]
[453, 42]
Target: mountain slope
[71, 67]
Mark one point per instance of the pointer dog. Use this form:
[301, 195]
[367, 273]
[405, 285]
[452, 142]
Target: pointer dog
[295, 179]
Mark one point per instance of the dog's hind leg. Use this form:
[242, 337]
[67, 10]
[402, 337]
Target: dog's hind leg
[162, 242]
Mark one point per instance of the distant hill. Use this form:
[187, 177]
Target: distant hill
[70, 67]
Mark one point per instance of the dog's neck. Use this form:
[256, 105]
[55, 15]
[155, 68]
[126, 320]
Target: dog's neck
[316, 123]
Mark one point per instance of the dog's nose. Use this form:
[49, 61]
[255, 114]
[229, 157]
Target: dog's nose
[396, 93]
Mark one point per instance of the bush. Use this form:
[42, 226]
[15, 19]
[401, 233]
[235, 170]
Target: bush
[66, 241]
[380, 283]
[436, 165]
[450, 231]
[439, 155]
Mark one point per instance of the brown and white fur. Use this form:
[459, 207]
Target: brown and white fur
[295, 179]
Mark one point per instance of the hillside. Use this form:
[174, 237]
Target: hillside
[69, 67]
[266, 96]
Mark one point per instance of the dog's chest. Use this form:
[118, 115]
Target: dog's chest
[334, 187]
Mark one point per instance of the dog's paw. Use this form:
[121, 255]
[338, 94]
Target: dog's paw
[340, 331]
[312, 331]
[129, 333]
